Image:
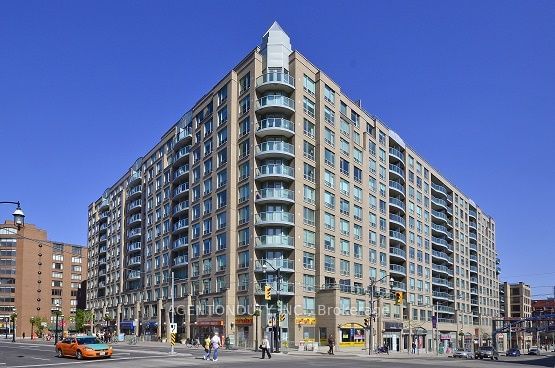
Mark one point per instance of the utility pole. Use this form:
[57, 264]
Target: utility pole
[172, 352]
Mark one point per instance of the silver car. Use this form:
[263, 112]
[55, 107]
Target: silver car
[466, 354]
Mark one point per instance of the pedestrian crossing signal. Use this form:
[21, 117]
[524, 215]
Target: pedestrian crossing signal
[366, 322]
[398, 298]
[282, 317]
[267, 292]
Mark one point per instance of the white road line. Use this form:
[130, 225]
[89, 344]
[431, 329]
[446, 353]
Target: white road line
[89, 361]
[37, 358]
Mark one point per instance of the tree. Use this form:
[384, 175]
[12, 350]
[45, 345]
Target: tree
[36, 325]
[82, 319]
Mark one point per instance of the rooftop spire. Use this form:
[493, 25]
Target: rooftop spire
[276, 48]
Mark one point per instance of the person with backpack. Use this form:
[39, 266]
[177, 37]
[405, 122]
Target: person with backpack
[206, 347]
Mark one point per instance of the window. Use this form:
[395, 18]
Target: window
[309, 238]
[309, 216]
[309, 128]
[329, 242]
[357, 155]
[222, 116]
[222, 136]
[244, 171]
[309, 173]
[244, 148]
[329, 157]
[329, 199]
[244, 259]
[345, 247]
[329, 264]
[344, 166]
[357, 251]
[345, 306]
[309, 194]
[308, 150]
[309, 282]
[243, 193]
[244, 126]
[309, 107]
[329, 115]
[329, 137]
[329, 94]
[345, 128]
[308, 261]
[309, 306]
[222, 95]
[309, 85]
[244, 105]
[344, 147]
[343, 108]
[329, 179]
[357, 270]
[244, 83]
[344, 207]
[329, 221]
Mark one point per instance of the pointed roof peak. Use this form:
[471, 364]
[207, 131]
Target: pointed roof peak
[275, 27]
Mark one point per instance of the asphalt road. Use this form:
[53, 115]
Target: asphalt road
[28, 354]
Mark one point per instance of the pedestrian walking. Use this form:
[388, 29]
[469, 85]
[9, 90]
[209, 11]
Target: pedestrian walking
[206, 347]
[265, 347]
[386, 348]
[216, 342]
[413, 347]
[331, 344]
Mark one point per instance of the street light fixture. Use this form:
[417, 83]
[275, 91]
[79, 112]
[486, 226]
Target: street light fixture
[57, 311]
[277, 334]
[371, 291]
[18, 215]
[14, 317]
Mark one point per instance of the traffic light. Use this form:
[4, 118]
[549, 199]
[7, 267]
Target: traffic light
[268, 292]
[398, 297]
[366, 322]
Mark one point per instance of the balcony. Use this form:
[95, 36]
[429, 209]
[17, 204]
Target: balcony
[275, 81]
[273, 172]
[472, 236]
[396, 186]
[103, 216]
[135, 178]
[472, 225]
[183, 137]
[181, 173]
[398, 236]
[473, 247]
[275, 126]
[134, 233]
[274, 218]
[442, 256]
[275, 195]
[439, 189]
[135, 205]
[181, 190]
[442, 295]
[285, 265]
[397, 170]
[440, 229]
[473, 269]
[181, 207]
[181, 261]
[396, 202]
[133, 247]
[104, 205]
[275, 242]
[394, 152]
[442, 243]
[103, 238]
[445, 309]
[397, 269]
[472, 213]
[442, 282]
[473, 290]
[136, 218]
[102, 249]
[440, 216]
[286, 288]
[135, 191]
[396, 219]
[103, 228]
[181, 156]
[180, 243]
[134, 261]
[473, 258]
[442, 269]
[275, 104]
[181, 225]
[134, 275]
[395, 252]
[474, 301]
[275, 149]
[398, 285]
[473, 280]
[438, 202]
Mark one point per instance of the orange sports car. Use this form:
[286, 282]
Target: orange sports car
[83, 347]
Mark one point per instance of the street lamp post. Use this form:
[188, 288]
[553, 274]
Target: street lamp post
[277, 335]
[57, 312]
[372, 290]
[14, 317]
[18, 215]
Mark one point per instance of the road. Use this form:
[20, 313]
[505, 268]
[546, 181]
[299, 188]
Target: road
[39, 354]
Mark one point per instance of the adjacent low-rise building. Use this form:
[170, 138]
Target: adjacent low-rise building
[275, 177]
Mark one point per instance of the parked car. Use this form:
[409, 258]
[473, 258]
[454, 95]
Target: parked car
[466, 354]
[486, 352]
[83, 347]
[513, 352]
[534, 350]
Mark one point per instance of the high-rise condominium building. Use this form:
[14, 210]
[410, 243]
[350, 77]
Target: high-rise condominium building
[275, 170]
[38, 278]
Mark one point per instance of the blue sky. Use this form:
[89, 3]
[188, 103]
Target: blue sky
[86, 87]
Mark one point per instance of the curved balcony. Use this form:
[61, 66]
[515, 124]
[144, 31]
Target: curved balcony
[273, 172]
[134, 261]
[442, 243]
[440, 229]
[274, 218]
[473, 280]
[473, 269]
[396, 235]
[397, 170]
[397, 220]
[473, 247]
[180, 208]
[134, 233]
[473, 258]
[285, 265]
[472, 213]
[472, 236]
[398, 285]
[397, 203]
[286, 288]
[445, 309]
[104, 205]
[181, 225]
[275, 126]
[275, 104]
[134, 206]
[442, 295]
[180, 261]
[182, 138]
[181, 191]
[181, 156]
[181, 173]
[472, 225]
[275, 81]
[473, 290]
[135, 178]
[440, 216]
[275, 195]
[134, 275]
[275, 150]
[442, 269]
[442, 282]
[135, 246]
[438, 188]
[102, 239]
[275, 242]
[397, 187]
[397, 269]
[103, 216]
[136, 218]
[102, 249]
[442, 256]
[102, 261]
[180, 243]
[438, 202]
[103, 228]
[399, 253]
[135, 192]
[394, 152]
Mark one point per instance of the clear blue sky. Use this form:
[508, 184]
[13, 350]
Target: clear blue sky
[86, 87]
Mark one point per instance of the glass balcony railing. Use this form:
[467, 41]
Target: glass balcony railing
[181, 260]
[472, 224]
[397, 202]
[397, 218]
[442, 295]
[397, 154]
[276, 263]
[277, 241]
[442, 255]
[441, 268]
[276, 78]
[443, 282]
[398, 252]
[398, 285]
[396, 185]
[134, 261]
[474, 280]
[439, 202]
[181, 206]
[134, 246]
[275, 193]
[134, 232]
[183, 134]
[397, 235]
[445, 309]
[102, 249]
[275, 100]
[133, 275]
[181, 189]
[397, 269]
[275, 147]
[276, 123]
[180, 242]
[397, 169]
[181, 171]
[181, 224]
[439, 188]
[275, 217]
[472, 213]
[181, 153]
[285, 287]
[270, 170]
[135, 190]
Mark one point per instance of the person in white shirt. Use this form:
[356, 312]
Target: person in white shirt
[265, 346]
[215, 346]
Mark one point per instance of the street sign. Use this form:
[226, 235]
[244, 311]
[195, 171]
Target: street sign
[282, 317]
[279, 303]
[173, 328]
[434, 321]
